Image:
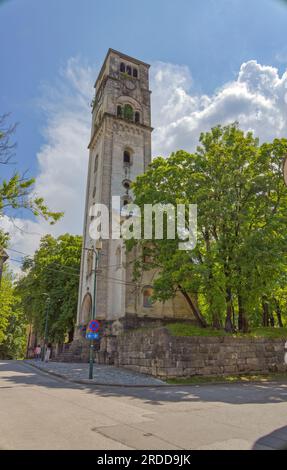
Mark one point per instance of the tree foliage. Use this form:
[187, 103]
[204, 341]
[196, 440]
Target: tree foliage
[17, 191]
[12, 321]
[238, 268]
[52, 273]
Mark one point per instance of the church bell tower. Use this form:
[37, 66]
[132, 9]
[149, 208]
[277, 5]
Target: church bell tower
[120, 149]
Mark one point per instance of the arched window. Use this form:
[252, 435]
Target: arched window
[119, 111]
[118, 257]
[90, 258]
[135, 73]
[94, 191]
[147, 296]
[137, 117]
[122, 67]
[128, 112]
[127, 158]
[126, 184]
[129, 70]
[96, 163]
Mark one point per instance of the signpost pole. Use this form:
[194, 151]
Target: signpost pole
[91, 360]
[47, 306]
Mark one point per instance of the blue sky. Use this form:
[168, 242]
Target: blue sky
[211, 62]
[211, 37]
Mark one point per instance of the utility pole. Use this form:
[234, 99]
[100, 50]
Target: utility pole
[3, 259]
[96, 251]
[47, 308]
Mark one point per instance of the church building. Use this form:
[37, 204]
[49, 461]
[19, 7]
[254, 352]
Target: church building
[120, 149]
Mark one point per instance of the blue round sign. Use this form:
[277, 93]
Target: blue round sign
[93, 326]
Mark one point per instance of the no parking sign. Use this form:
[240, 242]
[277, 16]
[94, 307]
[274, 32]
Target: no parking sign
[93, 326]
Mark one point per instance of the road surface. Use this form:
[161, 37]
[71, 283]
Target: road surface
[38, 411]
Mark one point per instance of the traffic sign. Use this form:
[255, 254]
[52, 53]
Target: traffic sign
[91, 335]
[93, 326]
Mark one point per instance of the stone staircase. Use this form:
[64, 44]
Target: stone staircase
[77, 351]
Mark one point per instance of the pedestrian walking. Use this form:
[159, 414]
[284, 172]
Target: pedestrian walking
[37, 353]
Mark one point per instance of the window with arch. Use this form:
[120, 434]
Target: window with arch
[127, 184]
[129, 70]
[128, 112]
[122, 67]
[119, 111]
[126, 201]
[127, 158]
[90, 259]
[135, 73]
[137, 117]
[118, 257]
[96, 163]
[147, 297]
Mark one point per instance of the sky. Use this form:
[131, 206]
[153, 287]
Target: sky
[212, 61]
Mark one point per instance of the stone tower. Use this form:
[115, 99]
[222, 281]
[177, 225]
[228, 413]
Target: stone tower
[120, 149]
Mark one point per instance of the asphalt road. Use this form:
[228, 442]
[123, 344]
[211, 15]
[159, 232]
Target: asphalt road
[38, 411]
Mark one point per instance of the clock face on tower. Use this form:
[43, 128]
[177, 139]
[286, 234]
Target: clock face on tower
[129, 84]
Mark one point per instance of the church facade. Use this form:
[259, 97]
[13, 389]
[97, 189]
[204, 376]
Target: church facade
[120, 149]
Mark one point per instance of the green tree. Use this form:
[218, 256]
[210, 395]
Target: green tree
[17, 191]
[12, 321]
[242, 206]
[53, 270]
[6, 303]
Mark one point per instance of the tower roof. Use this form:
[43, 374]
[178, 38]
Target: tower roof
[124, 57]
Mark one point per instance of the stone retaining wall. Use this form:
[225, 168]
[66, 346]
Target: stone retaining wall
[158, 353]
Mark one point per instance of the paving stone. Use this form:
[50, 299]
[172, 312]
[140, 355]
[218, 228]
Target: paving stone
[103, 374]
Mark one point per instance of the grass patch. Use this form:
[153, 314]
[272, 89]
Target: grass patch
[280, 333]
[187, 329]
[201, 380]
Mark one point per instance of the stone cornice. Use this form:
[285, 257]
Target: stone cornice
[119, 121]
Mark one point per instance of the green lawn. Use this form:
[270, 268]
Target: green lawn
[186, 329]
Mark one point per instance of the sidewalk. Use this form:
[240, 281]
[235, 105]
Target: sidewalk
[103, 375]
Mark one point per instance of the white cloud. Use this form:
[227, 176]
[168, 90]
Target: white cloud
[62, 160]
[257, 98]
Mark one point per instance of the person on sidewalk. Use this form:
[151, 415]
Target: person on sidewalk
[48, 352]
[38, 352]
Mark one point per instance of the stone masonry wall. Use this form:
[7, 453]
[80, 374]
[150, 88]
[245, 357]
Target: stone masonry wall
[158, 353]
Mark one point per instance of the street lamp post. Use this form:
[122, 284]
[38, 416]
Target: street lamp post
[97, 251]
[3, 259]
[47, 305]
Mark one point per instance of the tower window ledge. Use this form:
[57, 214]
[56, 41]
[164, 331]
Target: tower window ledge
[126, 75]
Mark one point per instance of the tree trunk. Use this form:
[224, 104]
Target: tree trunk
[265, 312]
[242, 317]
[28, 342]
[216, 323]
[271, 318]
[201, 320]
[278, 313]
[71, 335]
[228, 320]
